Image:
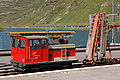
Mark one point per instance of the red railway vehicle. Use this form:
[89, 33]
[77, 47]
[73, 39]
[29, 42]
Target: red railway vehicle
[28, 52]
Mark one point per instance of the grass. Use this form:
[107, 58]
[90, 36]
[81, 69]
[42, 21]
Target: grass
[51, 12]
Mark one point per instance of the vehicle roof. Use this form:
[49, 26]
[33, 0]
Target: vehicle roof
[35, 37]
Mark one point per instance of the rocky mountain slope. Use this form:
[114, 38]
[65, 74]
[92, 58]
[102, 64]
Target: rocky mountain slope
[50, 12]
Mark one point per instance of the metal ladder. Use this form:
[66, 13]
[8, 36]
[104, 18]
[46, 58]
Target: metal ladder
[92, 38]
[98, 35]
[91, 22]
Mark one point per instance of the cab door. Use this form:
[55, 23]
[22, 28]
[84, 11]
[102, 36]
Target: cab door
[18, 49]
[21, 50]
[34, 52]
[44, 50]
[14, 49]
[38, 50]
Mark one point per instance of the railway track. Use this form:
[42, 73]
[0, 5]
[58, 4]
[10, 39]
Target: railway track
[7, 69]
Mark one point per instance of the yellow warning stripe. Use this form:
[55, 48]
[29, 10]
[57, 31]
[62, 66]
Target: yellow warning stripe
[52, 32]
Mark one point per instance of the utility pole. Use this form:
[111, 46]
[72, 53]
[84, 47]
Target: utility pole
[113, 21]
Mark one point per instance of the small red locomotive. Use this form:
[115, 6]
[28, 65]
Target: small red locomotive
[29, 51]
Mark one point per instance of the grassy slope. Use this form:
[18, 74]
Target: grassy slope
[50, 12]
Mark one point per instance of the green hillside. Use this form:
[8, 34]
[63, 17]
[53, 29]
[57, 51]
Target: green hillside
[50, 12]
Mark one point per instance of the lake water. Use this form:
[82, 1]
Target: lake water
[79, 39]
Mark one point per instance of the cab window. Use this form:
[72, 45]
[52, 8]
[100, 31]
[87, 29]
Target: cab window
[15, 43]
[34, 44]
[22, 43]
[44, 43]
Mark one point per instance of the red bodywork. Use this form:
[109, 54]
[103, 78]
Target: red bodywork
[22, 51]
[27, 55]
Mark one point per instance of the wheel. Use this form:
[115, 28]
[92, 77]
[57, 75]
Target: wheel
[93, 62]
